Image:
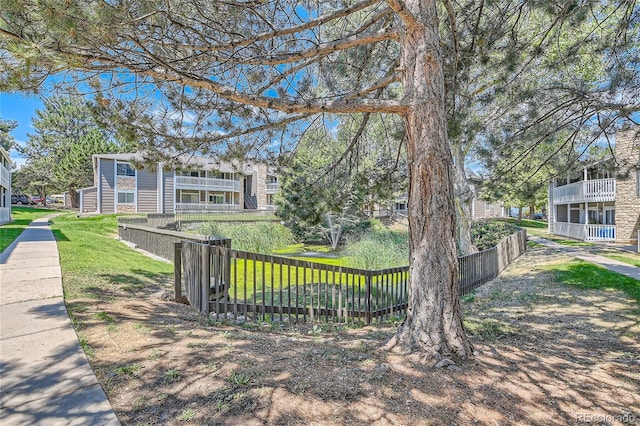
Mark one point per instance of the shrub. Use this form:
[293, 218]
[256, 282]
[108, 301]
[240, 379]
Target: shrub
[379, 248]
[487, 234]
[254, 237]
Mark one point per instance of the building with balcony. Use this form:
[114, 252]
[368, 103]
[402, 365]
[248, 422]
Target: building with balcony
[124, 183]
[5, 186]
[602, 202]
[480, 208]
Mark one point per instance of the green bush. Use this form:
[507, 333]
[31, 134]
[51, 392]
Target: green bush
[487, 234]
[254, 237]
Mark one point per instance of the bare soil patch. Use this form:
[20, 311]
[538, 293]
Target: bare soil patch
[546, 354]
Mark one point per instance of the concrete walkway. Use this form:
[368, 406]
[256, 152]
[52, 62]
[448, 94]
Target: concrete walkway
[45, 377]
[582, 254]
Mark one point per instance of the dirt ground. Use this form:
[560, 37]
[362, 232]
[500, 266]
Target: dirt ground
[546, 354]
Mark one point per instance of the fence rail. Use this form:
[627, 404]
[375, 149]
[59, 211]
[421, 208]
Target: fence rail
[279, 288]
[161, 242]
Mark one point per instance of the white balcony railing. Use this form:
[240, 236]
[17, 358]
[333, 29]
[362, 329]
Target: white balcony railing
[571, 230]
[600, 190]
[584, 232]
[600, 233]
[207, 184]
[272, 187]
[596, 190]
[198, 207]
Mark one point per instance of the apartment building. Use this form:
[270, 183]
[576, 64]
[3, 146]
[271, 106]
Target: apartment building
[602, 203]
[5, 186]
[124, 183]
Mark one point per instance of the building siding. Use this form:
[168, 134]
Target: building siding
[107, 176]
[89, 200]
[147, 191]
[169, 192]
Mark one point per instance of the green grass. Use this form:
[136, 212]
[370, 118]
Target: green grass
[262, 237]
[629, 259]
[302, 248]
[588, 276]
[567, 241]
[95, 265]
[540, 229]
[22, 217]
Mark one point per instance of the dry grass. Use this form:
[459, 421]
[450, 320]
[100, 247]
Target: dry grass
[546, 354]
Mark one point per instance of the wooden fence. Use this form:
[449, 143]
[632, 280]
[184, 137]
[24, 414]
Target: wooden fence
[219, 280]
[161, 242]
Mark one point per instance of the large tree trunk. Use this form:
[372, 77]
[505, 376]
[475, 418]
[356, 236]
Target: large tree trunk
[463, 199]
[434, 318]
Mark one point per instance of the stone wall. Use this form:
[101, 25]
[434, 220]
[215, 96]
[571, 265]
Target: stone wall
[627, 199]
[126, 208]
[126, 183]
[261, 185]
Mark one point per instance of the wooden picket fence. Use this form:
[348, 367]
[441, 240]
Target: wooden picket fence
[232, 283]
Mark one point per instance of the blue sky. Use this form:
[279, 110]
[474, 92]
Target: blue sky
[20, 108]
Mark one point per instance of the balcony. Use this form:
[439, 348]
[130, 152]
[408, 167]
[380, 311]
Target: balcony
[202, 207]
[590, 191]
[272, 187]
[207, 184]
[579, 231]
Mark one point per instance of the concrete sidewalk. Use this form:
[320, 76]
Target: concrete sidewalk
[45, 377]
[579, 253]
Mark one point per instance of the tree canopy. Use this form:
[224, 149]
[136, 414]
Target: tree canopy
[250, 76]
[59, 153]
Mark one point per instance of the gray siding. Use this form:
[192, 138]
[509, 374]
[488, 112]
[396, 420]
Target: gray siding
[89, 200]
[169, 192]
[107, 173]
[147, 191]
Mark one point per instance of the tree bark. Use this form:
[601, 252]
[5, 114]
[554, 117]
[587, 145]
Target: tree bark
[434, 317]
[463, 201]
[73, 197]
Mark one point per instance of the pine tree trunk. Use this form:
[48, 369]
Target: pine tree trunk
[463, 201]
[73, 197]
[434, 317]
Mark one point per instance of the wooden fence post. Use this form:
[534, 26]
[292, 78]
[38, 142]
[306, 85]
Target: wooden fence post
[368, 298]
[205, 280]
[177, 271]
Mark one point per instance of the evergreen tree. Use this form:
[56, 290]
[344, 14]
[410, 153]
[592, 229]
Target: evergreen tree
[237, 76]
[6, 139]
[59, 152]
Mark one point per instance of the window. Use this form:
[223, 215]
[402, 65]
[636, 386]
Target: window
[125, 169]
[216, 198]
[126, 197]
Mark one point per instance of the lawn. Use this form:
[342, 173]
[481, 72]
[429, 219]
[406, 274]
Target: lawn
[626, 258]
[537, 228]
[588, 276]
[95, 265]
[22, 217]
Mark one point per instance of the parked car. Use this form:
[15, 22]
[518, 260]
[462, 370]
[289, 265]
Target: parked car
[20, 199]
[539, 216]
[36, 199]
